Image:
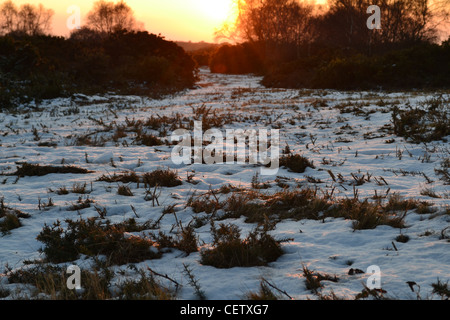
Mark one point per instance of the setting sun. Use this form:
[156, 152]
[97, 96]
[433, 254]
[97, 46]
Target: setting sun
[218, 11]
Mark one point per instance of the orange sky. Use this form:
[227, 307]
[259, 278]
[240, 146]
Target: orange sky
[184, 20]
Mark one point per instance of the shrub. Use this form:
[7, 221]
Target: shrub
[229, 250]
[93, 238]
[423, 125]
[366, 215]
[186, 240]
[441, 289]
[49, 282]
[128, 62]
[424, 65]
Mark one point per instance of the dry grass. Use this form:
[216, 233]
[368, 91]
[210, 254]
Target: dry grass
[161, 178]
[28, 169]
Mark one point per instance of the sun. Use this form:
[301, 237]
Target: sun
[218, 11]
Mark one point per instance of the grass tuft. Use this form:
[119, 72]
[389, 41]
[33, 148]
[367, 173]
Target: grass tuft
[161, 178]
[28, 169]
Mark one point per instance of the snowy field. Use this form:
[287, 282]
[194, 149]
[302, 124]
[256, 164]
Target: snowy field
[347, 135]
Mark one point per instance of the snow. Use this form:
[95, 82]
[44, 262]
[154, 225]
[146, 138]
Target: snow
[330, 246]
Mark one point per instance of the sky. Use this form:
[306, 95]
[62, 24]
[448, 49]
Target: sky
[176, 20]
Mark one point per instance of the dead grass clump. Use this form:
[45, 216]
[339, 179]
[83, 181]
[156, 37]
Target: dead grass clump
[441, 289]
[10, 218]
[242, 204]
[204, 203]
[9, 222]
[398, 203]
[80, 188]
[298, 204]
[28, 169]
[423, 125]
[313, 279]
[295, 163]
[161, 178]
[145, 288]
[127, 177]
[50, 282]
[264, 293]
[366, 215]
[124, 190]
[81, 204]
[149, 140]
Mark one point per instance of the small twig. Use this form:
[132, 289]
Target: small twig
[134, 211]
[279, 290]
[393, 244]
[165, 276]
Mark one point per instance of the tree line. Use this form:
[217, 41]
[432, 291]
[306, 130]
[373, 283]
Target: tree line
[298, 43]
[111, 53]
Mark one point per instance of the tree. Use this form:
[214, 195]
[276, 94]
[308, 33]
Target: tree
[403, 22]
[28, 19]
[8, 17]
[34, 20]
[108, 17]
[277, 27]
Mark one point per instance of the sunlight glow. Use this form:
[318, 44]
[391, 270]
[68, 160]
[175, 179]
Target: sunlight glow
[216, 10]
[184, 20]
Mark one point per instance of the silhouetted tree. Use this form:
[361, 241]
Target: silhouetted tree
[28, 19]
[108, 17]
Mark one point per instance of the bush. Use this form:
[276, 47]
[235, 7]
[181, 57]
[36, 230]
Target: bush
[423, 65]
[92, 238]
[229, 250]
[423, 125]
[44, 67]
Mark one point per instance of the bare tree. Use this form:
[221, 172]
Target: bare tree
[271, 24]
[34, 20]
[107, 17]
[8, 17]
[440, 10]
[28, 19]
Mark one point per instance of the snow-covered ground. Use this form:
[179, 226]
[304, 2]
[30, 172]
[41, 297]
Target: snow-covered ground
[346, 143]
